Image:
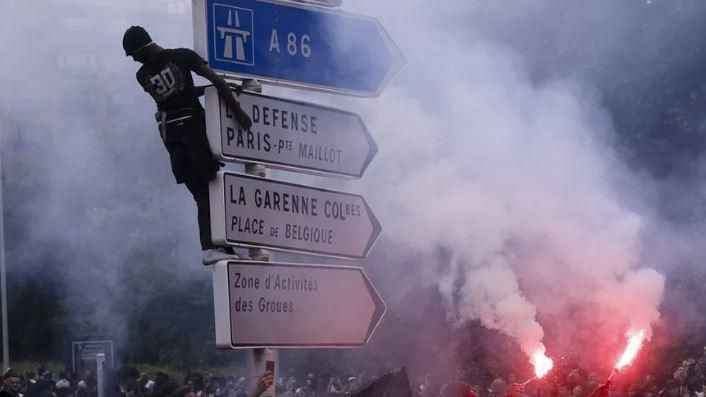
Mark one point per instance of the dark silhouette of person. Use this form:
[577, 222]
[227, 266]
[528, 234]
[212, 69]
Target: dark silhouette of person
[11, 384]
[166, 75]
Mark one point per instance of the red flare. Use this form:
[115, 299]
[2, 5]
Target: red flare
[542, 363]
[635, 340]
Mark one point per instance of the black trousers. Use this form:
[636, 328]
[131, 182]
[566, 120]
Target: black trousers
[199, 189]
[193, 164]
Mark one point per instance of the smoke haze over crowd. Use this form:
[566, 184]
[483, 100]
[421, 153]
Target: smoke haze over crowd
[507, 181]
[519, 179]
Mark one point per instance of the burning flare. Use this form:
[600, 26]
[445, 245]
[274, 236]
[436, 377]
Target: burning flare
[542, 363]
[635, 340]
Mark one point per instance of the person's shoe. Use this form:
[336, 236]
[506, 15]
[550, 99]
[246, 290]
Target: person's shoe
[211, 256]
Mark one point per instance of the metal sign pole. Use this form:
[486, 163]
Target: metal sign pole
[3, 277]
[100, 378]
[230, 34]
[262, 359]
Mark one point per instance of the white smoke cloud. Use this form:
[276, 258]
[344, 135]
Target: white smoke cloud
[518, 178]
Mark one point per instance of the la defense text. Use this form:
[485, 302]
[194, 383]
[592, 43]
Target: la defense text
[291, 122]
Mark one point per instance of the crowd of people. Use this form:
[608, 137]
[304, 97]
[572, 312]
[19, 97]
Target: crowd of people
[129, 382]
[688, 379]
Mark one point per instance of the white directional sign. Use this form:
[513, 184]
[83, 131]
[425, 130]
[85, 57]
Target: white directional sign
[290, 134]
[258, 212]
[286, 305]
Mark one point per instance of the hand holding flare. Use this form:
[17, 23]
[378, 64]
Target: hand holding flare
[542, 366]
[635, 341]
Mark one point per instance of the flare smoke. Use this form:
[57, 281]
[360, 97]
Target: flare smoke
[516, 177]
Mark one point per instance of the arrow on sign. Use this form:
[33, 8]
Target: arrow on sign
[283, 305]
[290, 134]
[295, 45]
[258, 212]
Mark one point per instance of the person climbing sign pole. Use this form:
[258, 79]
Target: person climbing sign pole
[165, 74]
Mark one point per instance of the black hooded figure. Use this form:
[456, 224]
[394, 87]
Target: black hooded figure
[166, 75]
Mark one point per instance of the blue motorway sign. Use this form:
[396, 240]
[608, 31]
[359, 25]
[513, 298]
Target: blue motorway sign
[295, 45]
